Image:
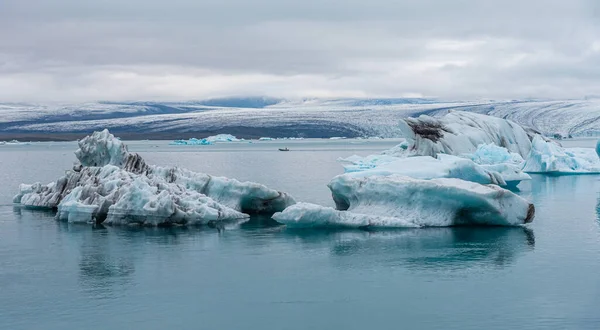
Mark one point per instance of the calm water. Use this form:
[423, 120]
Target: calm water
[259, 276]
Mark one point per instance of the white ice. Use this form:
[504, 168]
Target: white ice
[459, 133]
[547, 157]
[490, 154]
[118, 187]
[306, 215]
[400, 201]
[208, 140]
[425, 167]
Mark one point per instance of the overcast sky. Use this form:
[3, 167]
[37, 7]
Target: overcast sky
[80, 50]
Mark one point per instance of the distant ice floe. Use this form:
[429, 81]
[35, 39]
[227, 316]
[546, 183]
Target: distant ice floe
[208, 141]
[400, 201]
[14, 143]
[114, 186]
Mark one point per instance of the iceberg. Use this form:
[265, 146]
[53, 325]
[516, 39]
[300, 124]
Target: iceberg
[547, 157]
[435, 202]
[208, 141]
[459, 133]
[400, 201]
[426, 167]
[113, 186]
[264, 138]
[191, 142]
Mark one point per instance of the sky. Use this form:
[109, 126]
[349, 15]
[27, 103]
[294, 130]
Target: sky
[76, 50]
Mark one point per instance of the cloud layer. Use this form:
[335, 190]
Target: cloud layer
[73, 50]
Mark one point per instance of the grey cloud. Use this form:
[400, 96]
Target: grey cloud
[73, 49]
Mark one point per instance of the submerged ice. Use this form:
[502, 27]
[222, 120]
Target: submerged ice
[115, 186]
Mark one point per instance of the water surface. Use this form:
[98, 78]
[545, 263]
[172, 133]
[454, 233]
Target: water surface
[258, 275]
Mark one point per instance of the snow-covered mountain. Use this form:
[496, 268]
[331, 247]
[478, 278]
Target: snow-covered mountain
[259, 116]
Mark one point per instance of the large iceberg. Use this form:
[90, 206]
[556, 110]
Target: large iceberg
[400, 201]
[114, 186]
[547, 157]
[459, 133]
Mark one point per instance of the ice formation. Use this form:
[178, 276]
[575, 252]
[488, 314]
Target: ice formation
[400, 201]
[425, 167]
[115, 186]
[459, 133]
[191, 142]
[598, 148]
[306, 215]
[490, 154]
[547, 157]
[357, 163]
[208, 141]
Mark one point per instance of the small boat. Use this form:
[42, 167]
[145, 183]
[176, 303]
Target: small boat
[284, 149]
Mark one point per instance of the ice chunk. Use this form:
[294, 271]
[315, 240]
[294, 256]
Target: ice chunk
[264, 138]
[305, 215]
[445, 166]
[191, 142]
[436, 202]
[126, 190]
[598, 148]
[489, 154]
[207, 141]
[357, 163]
[461, 132]
[547, 157]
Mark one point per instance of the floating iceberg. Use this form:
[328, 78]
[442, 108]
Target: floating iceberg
[547, 157]
[115, 186]
[264, 138]
[425, 167]
[14, 143]
[400, 201]
[459, 133]
[208, 141]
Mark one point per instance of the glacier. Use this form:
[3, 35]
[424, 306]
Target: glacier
[401, 201]
[315, 118]
[549, 158]
[113, 186]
